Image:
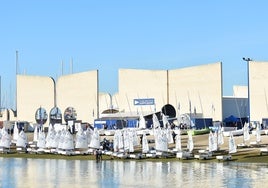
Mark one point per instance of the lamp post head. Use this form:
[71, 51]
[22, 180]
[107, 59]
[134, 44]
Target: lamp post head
[247, 59]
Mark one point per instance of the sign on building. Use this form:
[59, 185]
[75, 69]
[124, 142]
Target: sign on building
[147, 101]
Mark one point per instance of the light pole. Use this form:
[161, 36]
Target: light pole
[248, 60]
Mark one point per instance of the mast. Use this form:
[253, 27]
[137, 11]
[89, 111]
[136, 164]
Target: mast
[0, 94]
[17, 62]
[167, 87]
[98, 92]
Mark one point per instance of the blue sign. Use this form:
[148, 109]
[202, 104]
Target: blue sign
[148, 101]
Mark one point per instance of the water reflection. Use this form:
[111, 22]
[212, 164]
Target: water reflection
[75, 173]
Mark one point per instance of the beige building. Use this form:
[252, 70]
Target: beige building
[193, 90]
[197, 90]
[78, 91]
[141, 84]
[34, 92]
[258, 90]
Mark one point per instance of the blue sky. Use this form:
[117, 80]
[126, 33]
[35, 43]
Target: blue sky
[143, 34]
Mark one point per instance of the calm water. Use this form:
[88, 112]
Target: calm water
[74, 173]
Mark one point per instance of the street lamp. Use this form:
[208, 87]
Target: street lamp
[248, 60]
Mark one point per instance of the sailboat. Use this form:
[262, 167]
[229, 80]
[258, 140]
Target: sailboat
[15, 133]
[232, 145]
[145, 145]
[161, 142]
[142, 126]
[158, 142]
[61, 140]
[135, 137]
[95, 141]
[258, 135]
[131, 141]
[89, 134]
[156, 124]
[142, 122]
[116, 141]
[212, 142]
[220, 136]
[190, 143]
[54, 140]
[81, 140]
[21, 141]
[122, 144]
[35, 138]
[126, 140]
[5, 141]
[68, 144]
[232, 149]
[190, 146]
[166, 124]
[177, 141]
[41, 142]
[169, 136]
[50, 136]
[246, 135]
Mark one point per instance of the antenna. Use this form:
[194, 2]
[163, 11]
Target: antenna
[71, 66]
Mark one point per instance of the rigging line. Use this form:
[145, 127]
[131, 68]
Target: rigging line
[265, 99]
[129, 105]
[202, 109]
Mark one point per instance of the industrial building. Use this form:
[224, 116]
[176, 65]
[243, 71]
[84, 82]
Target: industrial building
[196, 91]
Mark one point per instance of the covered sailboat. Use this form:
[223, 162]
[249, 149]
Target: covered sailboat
[22, 140]
[81, 139]
[5, 140]
[95, 140]
[68, 143]
[55, 138]
[41, 142]
[220, 136]
[156, 123]
[161, 140]
[246, 132]
[145, 145]
[258, 133]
